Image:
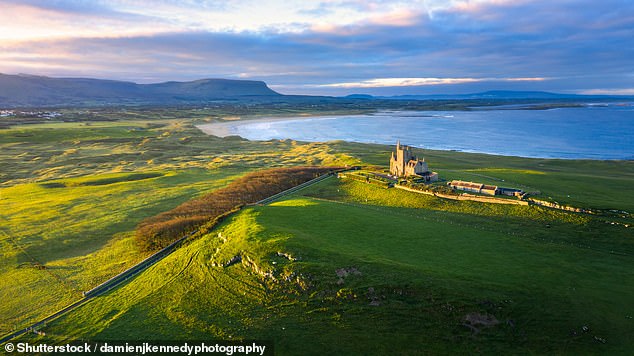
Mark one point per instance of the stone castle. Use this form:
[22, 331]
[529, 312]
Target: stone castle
[403, 163]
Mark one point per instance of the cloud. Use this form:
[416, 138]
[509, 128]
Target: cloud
[32, 21]
[66, 6]
[400, 82]
[330, 46]
[279, 16]
[409, 82]
[623, 91]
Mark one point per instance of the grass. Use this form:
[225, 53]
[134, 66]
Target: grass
[158, 231]
[75, 192]
[104, 179]
[425, 269]
[585, 183]
[80, 233]
[71, 194]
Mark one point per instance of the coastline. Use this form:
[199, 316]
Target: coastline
[219, 129]
[225, 128]
[446, 138]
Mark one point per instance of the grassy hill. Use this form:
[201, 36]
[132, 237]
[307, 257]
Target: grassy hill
[327, 272]
[76, 190]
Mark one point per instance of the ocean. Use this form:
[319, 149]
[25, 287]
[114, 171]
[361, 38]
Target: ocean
[590, 132]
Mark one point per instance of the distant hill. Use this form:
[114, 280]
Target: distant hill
[29, 90]
[494, 94]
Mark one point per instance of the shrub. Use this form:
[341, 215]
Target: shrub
[158, 231]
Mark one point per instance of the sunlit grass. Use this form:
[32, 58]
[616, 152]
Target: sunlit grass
[75, 191]
[426, 269]
[506, 170]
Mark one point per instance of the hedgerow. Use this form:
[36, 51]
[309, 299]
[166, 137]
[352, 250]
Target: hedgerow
[158, 231]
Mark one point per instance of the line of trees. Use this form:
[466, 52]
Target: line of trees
[158, 231]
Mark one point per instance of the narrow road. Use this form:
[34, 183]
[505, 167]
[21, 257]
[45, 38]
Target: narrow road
[296, 188]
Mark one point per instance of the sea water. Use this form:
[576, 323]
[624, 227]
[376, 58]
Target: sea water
[592, 131]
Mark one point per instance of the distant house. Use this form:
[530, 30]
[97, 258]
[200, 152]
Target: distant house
[483, 188]
[403, 163]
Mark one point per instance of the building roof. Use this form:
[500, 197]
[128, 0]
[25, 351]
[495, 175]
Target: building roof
[460, 183]
[510, 189]
[472, 185]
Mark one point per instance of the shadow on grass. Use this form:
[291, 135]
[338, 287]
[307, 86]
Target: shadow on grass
[102, 181]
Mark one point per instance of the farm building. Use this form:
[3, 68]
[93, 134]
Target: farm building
[484, 188]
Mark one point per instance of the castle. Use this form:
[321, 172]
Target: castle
[405, 164]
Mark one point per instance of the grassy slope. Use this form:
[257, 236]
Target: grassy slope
[426, 268]
[82, 234]
[72, 193]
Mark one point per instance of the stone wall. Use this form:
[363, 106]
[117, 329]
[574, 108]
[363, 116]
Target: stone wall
[466, 197]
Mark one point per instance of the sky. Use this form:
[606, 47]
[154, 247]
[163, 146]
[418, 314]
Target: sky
[330, 47]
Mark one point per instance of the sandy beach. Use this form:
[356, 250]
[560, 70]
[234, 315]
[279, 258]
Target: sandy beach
[227, 128]
[220, 129]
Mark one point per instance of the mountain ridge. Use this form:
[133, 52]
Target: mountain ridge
[32, 90]
[27, 90]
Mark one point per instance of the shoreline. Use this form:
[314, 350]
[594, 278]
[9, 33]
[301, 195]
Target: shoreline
[223, 128]
[230, 127]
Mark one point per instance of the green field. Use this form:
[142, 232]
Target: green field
[72, 193]
[414, 275]
[586, 183]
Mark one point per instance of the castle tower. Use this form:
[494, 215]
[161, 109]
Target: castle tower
[400, 160]
[403, 163]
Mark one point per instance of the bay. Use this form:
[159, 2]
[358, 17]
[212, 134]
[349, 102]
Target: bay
[590, 132]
